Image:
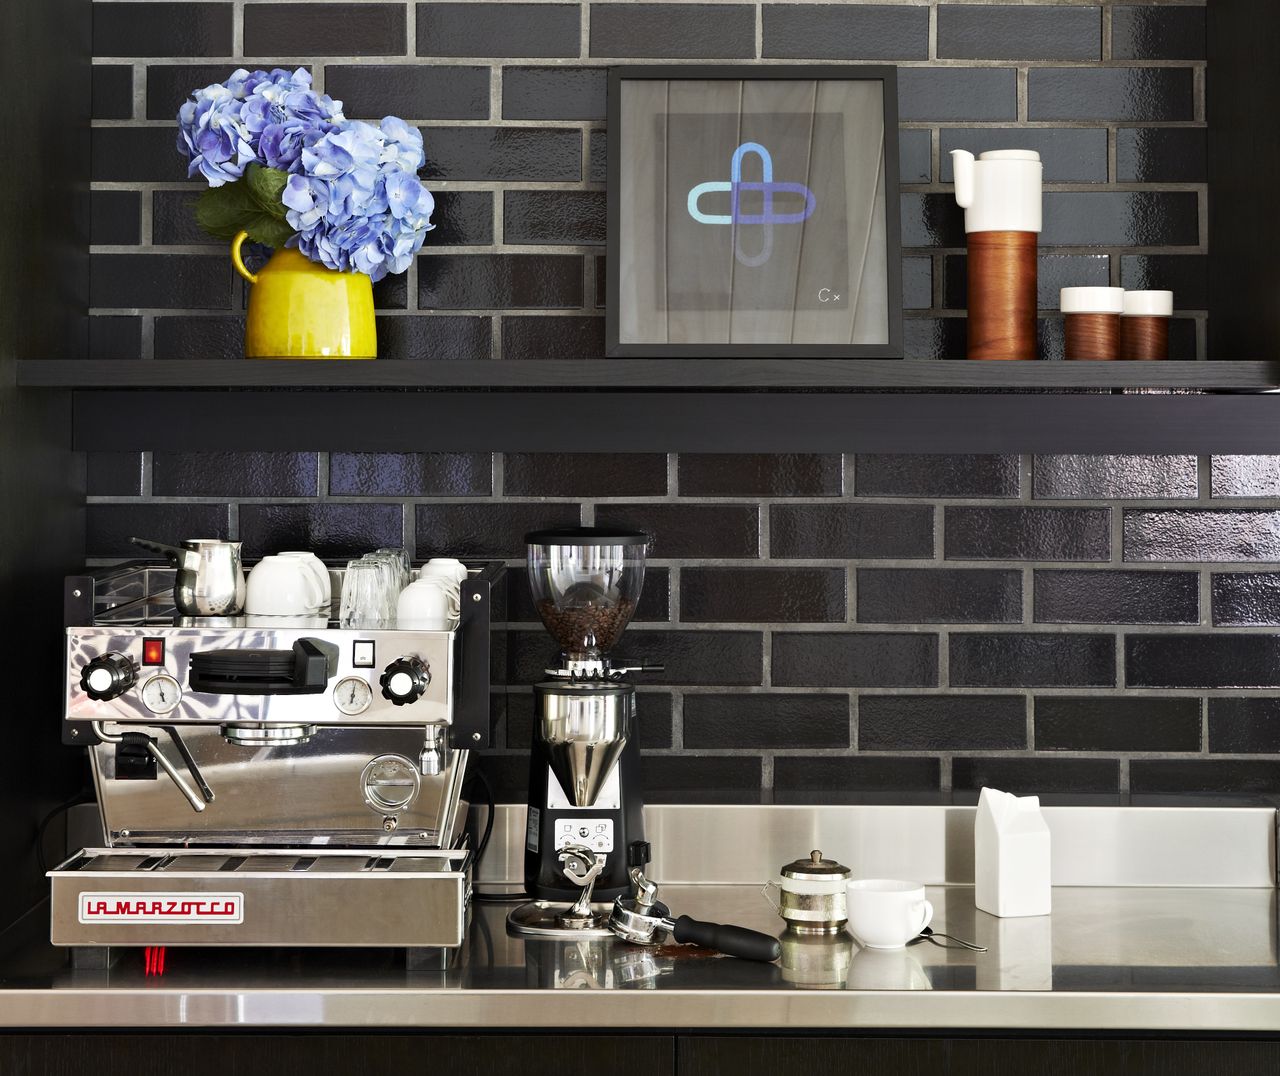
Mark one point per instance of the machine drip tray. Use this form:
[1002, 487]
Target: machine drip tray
[409, 897]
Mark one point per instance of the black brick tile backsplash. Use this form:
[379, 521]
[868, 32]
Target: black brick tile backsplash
[1244, 726]
[760, 475]
[825, 31]
[112, 91]
[228, 474]
[551, 474]
[1037, 775]
[1040, 533]
[1202, 661]
[836, 776]
[328, 530]
[114, 217]
[999, 32]
[855, 659]
[410, 474]
[851, 530]
[435, 337]
[519, 153]
[1116, 597]
[116, 474]
[759, 595]
[735, 722]
[939, 596]
[1158, 33]
[499, 281]
[1209, 777]
[689, 530]
[1245, 476]
[1162, 154]
[554, 93]
[1069, 155]
[1110, 93]
[555, 217]
[556, 338]
[676, 31]
[946, 93]
[134, 154]
[162, 29]
[694, 779]
[1189, 535]
[1241, 598]
[1089, 723]
[324, 30]
[1043, 659]
[484, 30]
[485, 531]
[411, 91]
[886, 475]
[942, 723]
[173, 281]
[1114, 477]
[108, 527]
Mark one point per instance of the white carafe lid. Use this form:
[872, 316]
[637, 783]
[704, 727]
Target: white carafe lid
[1148, 304]
[999, 190]
[1091, 300]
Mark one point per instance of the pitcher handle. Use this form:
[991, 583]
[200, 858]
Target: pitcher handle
[764, 889]
[237, 261]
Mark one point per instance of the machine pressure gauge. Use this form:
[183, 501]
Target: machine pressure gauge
[352, 695]
[161, 693]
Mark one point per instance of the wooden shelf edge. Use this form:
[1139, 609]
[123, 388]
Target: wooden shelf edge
[677, 374]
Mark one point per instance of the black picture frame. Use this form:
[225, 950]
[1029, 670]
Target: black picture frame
[887, 76]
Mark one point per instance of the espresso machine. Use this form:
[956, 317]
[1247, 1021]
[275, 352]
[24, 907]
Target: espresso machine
[269, 781]
[585, 825]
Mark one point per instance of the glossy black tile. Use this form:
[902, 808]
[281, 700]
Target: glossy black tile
[554, 93]
[931, 220]
[1036, 776]
[1162, 154]
[679, 31]
[411, 91]
[114, 217]
[689, 530]
[957, 93]
[220, 337]
[134, 154]
[495, 531]
[697, 658]
[1211, 776]
[233, 474]
[173, 220]
[1187, 535]
[762, 595]
[1068, 154]
[1121, 218]
[584, 474]
[917, 283]
[1241, 598]
[410, 474]
[324, 30]
[923, 475]
[1116, 597]
[938, 596]
[430, 337]
[654, 606]
[556, 217]
[1114, 477]
[499, 281]
[328, 530]
[162, 29]
[114, 337]
[184, 281]
[1202, 661]
[855, 774]
[597, 156]
[461, 218]
[1110, 93]
[1093, 723]
[850, 530]
[1244, 726]
[692, 779]
[997, 533]
[113, 474]
[942, 723]
[855, 659]
[759, 475]
[527, 154]
[108, 527]
[742, 722]
[827, 31]
[1158, 33]
[1186, 275]
[915, 156]
[1245, 476]
[1009, 32]
[934, 338]
[484, 30]
[169, 85]
[552, 338]
[112, 91]
[1025, 659]
[1053, 273]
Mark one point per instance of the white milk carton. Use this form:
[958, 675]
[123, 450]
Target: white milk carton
[1011, 855]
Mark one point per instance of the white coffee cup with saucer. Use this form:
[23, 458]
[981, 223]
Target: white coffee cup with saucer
[886, 913]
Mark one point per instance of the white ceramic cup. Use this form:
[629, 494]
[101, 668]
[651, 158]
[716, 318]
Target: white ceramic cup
[458, 569]
[317, 566]
[282, 586]
[885, 913]
[424, 606]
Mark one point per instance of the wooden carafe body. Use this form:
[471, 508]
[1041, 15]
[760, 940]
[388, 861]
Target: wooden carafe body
[1002, 295]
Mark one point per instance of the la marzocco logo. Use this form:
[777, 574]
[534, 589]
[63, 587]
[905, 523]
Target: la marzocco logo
[162, 908]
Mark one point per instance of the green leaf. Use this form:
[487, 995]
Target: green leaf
[234, 207]
[267, 185]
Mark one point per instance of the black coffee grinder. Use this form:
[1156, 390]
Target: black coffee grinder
[585, 826]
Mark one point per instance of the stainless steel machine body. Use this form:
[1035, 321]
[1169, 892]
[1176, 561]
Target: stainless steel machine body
[309, 775]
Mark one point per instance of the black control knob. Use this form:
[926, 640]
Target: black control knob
[405, 680]
[107, 677]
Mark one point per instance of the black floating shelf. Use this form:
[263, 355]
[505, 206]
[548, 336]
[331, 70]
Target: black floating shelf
[722, 374]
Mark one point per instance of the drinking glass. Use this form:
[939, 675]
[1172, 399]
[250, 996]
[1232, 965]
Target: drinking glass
[364, 596]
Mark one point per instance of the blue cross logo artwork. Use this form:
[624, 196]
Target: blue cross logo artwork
[767, 217]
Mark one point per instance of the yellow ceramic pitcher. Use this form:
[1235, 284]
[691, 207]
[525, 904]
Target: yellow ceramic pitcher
[299, 309]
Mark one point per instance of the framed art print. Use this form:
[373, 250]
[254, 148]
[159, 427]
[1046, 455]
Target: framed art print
[753, 212]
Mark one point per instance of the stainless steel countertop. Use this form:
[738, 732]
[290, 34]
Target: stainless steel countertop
[1107, 958]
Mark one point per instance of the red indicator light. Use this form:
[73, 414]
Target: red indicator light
[152, 651]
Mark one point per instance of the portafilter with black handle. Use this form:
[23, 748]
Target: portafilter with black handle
[642, 919]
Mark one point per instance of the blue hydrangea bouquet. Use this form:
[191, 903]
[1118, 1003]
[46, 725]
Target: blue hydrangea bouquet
[286, 166]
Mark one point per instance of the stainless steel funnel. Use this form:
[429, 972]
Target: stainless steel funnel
[584, 729]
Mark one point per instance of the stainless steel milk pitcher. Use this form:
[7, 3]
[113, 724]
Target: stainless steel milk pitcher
[210, 575]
